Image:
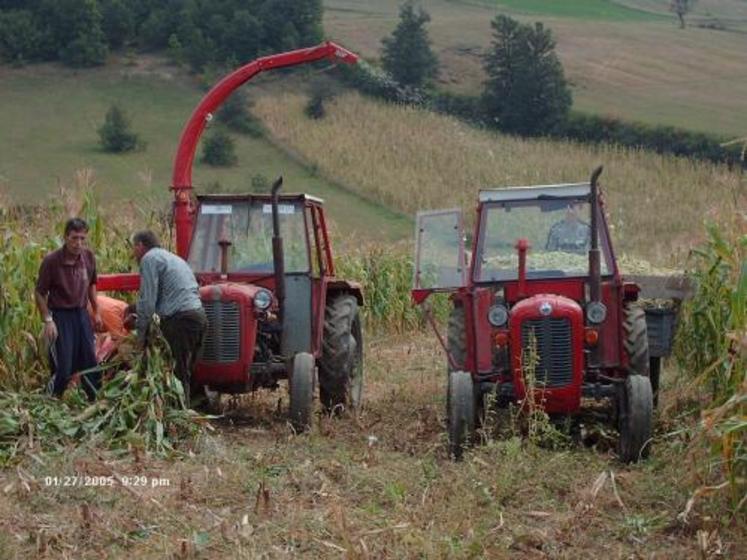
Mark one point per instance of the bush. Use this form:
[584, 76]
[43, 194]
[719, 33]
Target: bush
[19, 36]
[88, 49]
[320, 93]
[260, 184]
[661, 139]
[219, 150]
[115, 134]
[234, 113]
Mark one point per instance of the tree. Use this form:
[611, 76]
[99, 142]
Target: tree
[682, 8]
[219, 150]
[115, 134]
[407, 54]
[526, 91]
[117, 22]
[234, 113]
[242, 36]
[19, 36]
[72, 31]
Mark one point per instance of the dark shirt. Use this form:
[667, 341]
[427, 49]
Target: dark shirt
[66, 278]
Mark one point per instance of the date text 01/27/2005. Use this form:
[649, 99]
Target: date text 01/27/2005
[106, 481]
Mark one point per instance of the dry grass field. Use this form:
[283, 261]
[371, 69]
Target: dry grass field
[408, 159]
[635, 65]
[376, 486]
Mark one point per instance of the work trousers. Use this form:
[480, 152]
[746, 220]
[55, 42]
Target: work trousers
[73, 351]
[184, 332]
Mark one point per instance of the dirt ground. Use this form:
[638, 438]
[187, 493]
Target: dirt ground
[379, 485]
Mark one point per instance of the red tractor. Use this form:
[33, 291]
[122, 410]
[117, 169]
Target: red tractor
[542, 281]
[267, 279]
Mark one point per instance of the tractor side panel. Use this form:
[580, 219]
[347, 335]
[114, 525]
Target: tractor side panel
[296, 336]
[611, 333]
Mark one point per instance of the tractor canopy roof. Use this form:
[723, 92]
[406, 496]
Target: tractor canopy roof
[580, 191]
[259, 197]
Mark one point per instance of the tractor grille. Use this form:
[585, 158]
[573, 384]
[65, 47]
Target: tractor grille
[222, 339]
[554, 350]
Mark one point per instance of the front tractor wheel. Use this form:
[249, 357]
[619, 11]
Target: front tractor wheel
[341, 363]
[635, 410]
[302, 391]
[460, 412]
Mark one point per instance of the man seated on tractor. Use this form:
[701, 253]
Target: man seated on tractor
[571, 235]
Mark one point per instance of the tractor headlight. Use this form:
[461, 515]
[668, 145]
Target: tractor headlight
[596, 312]
[498, 315]
[262, 300]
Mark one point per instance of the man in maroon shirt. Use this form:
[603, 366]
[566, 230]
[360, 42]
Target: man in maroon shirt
[66, 283]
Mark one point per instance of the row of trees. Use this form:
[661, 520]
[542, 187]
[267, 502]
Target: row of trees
[525, 91]
[81, 32]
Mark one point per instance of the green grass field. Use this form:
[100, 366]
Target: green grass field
[50, 118]
[584, 9]
[627, 59]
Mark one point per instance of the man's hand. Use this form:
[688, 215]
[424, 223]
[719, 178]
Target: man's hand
[130, 321]
[98, 323]
[50, 332]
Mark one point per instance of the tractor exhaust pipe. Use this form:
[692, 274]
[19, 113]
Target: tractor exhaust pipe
[277, 249]
[595, 272]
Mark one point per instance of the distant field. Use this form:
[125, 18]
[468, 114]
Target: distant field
[410, 159]
[50, 116]
[586, 9]
[627, 59]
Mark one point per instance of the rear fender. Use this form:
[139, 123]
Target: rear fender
[337, 287]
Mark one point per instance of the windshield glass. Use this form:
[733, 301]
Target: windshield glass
[558, 232]
[248, 226]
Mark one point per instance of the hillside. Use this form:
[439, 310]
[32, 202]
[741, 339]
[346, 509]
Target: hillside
[50, 116]
[410, 159]
[626, 59]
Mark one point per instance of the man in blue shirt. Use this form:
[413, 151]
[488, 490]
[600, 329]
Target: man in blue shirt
[169, 289]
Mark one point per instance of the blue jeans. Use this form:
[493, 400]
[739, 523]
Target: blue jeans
[74, 351]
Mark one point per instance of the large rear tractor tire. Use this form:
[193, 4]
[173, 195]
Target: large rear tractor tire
[635, 401]
[456, 338]
[302, 391]
[635, 410]
[341, 363]
[460, 412]
[636, 340]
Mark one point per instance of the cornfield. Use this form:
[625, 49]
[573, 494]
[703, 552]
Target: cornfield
[712, 350]
[27, 234]
[410, 159]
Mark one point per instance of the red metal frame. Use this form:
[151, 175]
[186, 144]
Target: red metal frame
[181, 182]
[182, 175]
[557, 399]
[524, 295]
